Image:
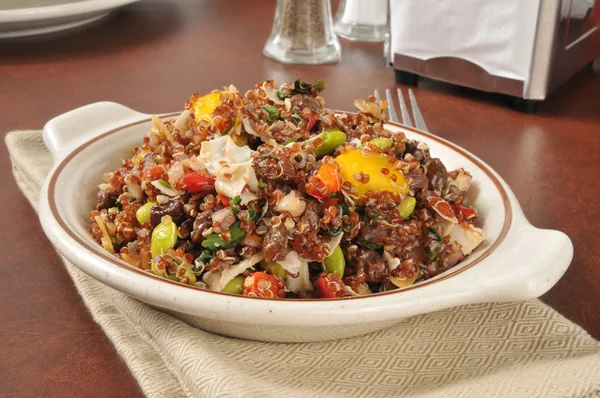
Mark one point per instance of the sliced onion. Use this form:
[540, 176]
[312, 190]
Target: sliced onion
[133, 188]
[182, 124]
[218, 280]
[175, 173]
[162, 128]
[224, 217]
[272, 94]
[166, 190]
[302, 282]
[292, 204]
[247, 197]
[334, 242]
[292, 262]
[248, 127]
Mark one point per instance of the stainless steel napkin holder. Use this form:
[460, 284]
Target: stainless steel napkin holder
[564, 44]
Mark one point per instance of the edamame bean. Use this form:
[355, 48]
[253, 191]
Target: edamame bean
[274, 268]
[382, 142]
[332, 139]
[164, 236]
[188, 273]
[143, 213]
[407, 207]
[335, 262]
[235, 286]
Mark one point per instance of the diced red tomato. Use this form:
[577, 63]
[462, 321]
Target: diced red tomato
[156, 172]
[195, 182]
[223, 199]
[312, 119]
[330, 285]
[328, 202]
[466, 212]
[261, 284]
[325, 182]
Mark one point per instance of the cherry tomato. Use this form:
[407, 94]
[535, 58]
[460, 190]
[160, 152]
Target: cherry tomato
[325, 182]
[261, 284]
[195, 182]
[330, 285]
[467, 212]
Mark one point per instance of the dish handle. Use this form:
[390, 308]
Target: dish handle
[66, 132]
[529, 265]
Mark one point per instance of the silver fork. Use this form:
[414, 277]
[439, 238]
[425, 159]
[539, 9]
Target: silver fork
[418, 117]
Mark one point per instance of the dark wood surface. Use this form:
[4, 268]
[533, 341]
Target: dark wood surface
[151, 56]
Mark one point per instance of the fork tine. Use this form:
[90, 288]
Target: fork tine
[377, 95]
[419, 121]
[391, 111]
[404, 110]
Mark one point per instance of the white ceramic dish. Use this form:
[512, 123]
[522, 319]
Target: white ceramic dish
[34, 17]
[516, 261]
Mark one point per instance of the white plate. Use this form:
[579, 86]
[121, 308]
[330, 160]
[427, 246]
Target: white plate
[33, 17]
[516, 261]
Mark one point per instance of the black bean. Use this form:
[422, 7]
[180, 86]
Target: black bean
[274, 243]
[416, 181]
[173, 208]
[422, 155]
[373, 265]
[437, 174]
[280, 170]
[106, 200]
[301, 101]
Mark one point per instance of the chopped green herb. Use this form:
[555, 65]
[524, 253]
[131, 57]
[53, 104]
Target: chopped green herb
[164, 183]
[157, 161]
[236, 200]
[290, 141]
[333, 195]
[270, 156]
[434, 234]
[333, 232]
[235, 209]
[119, 205]
[252, 215]
[371, 245]
[296, 118]
[374, 216]
[283, 95]
[228, 129]
[432, 254]
[273, 113]
[204, 257]
[345, 210]
[262, 184]
[306, 88]
[214, 241]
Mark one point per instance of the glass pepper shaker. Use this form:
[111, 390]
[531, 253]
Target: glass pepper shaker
[303, 33]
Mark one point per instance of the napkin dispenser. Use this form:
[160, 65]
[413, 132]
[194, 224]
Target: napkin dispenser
[523, 48]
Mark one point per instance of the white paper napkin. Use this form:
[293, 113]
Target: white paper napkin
[497, 35]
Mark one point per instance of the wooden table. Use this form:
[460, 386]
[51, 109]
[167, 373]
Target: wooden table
[151, 56]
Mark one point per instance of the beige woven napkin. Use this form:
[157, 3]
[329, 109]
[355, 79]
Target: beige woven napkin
[511, 350]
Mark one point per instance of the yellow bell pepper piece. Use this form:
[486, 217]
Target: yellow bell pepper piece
[354, 162]
[204, 106]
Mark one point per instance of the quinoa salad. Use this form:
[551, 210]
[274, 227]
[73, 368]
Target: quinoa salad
[270, 194]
